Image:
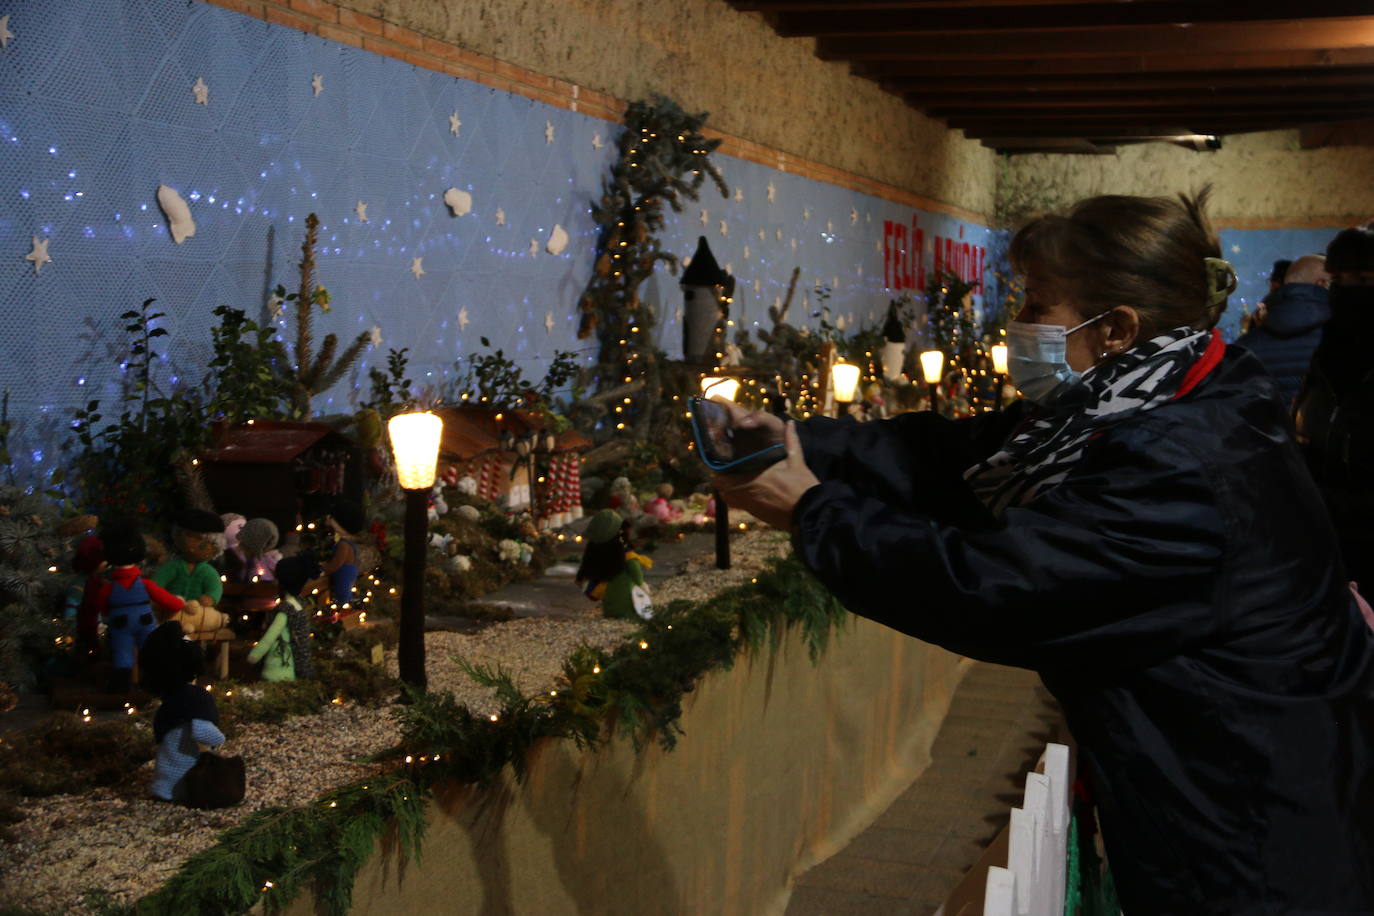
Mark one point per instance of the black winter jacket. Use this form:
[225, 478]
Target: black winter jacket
[1292, 329]
[1180, 594]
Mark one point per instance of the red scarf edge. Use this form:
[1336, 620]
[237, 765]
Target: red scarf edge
[1210, 359]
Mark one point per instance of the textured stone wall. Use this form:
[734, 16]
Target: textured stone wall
[707, 56]
[1259, 180]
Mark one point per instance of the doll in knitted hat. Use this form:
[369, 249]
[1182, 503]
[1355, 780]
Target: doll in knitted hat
[258, 559]
[347, 521]
[198, 537]
[611, 572]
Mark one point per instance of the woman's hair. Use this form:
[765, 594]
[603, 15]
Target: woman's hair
[1149, 253]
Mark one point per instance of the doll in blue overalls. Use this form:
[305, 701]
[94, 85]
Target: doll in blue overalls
[129, 602]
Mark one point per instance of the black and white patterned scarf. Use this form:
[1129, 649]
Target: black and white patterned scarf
[1142, 378]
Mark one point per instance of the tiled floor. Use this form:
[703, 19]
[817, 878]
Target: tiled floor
[914, 854]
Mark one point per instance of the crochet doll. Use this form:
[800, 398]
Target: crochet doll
[127, 600]
[257, 560]
[198, 535]
[87, 561]
[661, 506]
[611, 572]
[347, 521]
[187, 720]
[284, 648]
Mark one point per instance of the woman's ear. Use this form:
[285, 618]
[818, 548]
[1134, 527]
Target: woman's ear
[1121, 327]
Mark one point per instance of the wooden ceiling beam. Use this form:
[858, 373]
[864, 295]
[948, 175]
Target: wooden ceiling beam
[928, 20]
[1098, 128]
[991, 6]
[1154, 41]
[1260, 98]
[1191, 116]
[1135, 82]
[1334, 58]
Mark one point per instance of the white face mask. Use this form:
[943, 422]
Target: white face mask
[1037, 360]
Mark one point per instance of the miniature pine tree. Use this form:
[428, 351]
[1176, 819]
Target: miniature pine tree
[308, 374]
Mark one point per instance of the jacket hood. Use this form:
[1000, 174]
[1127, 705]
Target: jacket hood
[1297, 308]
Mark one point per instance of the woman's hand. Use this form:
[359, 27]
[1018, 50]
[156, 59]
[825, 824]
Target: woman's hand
[773, 493]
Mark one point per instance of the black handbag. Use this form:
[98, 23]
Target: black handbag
[215, 781]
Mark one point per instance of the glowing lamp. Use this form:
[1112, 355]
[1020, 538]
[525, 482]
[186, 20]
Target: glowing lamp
[415, 444]
[714, 387]
[844, 378]
[999, 359]
[932, 366]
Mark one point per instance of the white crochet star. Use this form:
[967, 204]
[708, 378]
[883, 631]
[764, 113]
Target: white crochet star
[463, 318]
[201, 91]
[454, 124]
[375, 336]
[772, 192]
[39, 255]
[417, 267]
[548, 131]
[5, 33]
[597, 142]
[361, 210]
[548, 322]
[317, 83]
[724, 228]
[500, 217]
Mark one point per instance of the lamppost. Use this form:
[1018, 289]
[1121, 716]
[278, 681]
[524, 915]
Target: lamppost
[999, 370]
[932, 369]
[415, 444]
[713, 387]
[844, 380]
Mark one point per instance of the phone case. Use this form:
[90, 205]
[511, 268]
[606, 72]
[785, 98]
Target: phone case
[751, 463]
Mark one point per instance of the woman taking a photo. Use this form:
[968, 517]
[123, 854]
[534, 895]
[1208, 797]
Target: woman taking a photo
[1148, 539]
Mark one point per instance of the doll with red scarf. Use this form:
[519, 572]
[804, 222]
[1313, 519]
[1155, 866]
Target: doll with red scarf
[131, 603]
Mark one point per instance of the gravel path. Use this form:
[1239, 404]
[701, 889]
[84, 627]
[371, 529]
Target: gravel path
[123, 842]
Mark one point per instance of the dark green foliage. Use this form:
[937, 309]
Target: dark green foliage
[243, 369]
[390, 389]
[494, 380]
[636, 689]
[64, 755]
[121, 467]
[29, 593]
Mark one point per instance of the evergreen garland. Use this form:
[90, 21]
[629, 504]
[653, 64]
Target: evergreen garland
[635, 689]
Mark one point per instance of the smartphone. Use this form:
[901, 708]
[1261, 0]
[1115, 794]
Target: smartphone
[726, 449]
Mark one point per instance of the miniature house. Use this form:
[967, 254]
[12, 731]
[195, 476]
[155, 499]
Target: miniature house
[516, 461]
[281, 470]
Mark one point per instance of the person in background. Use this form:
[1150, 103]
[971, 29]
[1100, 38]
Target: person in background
[1150, 542]
[1334, 413]
[1294, 317]
[1278, 276]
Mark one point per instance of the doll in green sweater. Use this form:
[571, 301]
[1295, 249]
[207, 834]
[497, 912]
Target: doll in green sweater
[199, 537]
[611, 572]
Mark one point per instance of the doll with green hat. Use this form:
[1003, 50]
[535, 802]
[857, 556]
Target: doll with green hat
[611, 572]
